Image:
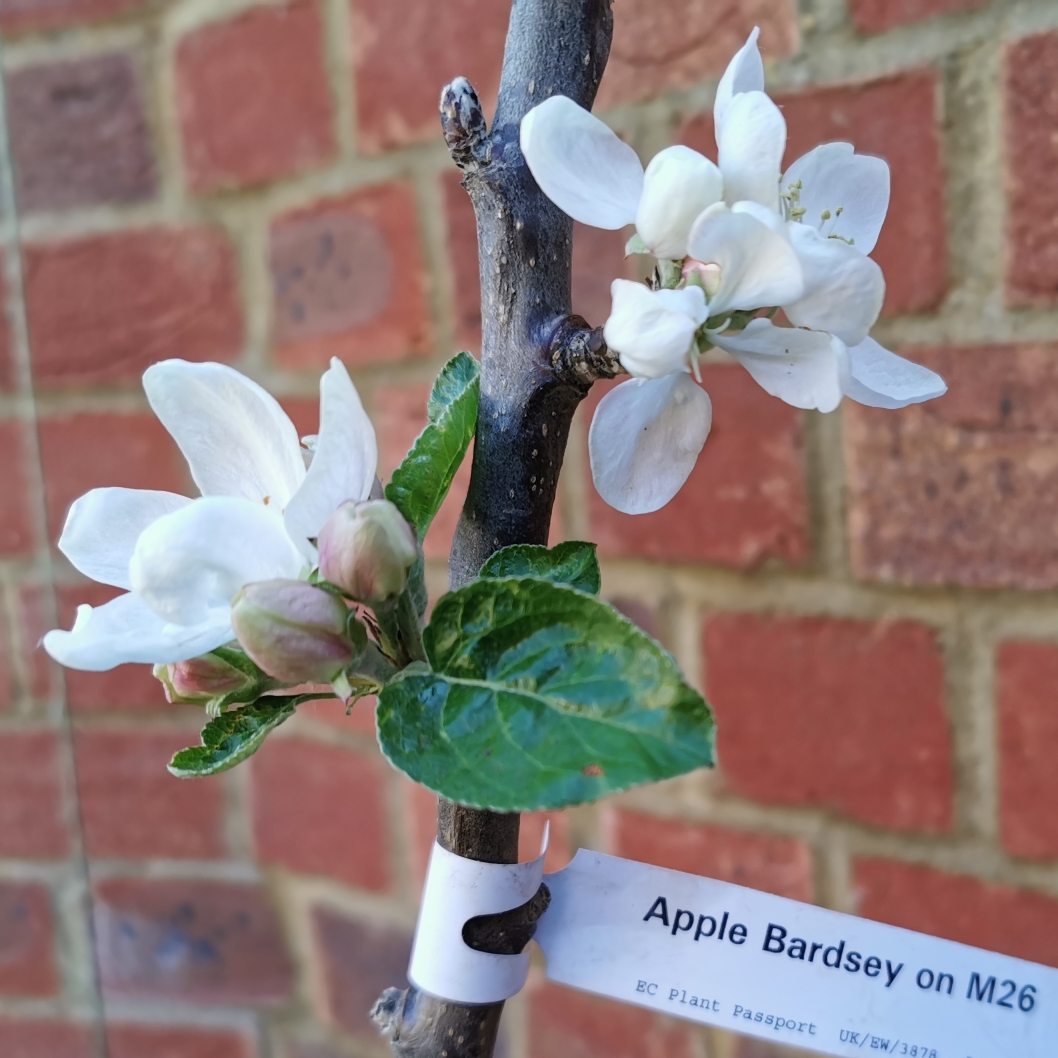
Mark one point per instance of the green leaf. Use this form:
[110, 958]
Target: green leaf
[232, 737]
[420, 484]
[572, 563]
[540, 696]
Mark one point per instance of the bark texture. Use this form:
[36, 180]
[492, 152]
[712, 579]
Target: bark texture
[537, 363]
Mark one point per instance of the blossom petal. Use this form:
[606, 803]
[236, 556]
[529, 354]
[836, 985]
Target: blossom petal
[843, 291]
[235, 437]
[652, 330]
[744, 73]
[881, 379]
[103, 526]
[581, 164]
[679, 183]
[808, 369]
[751, 146]
[644, 440]
[842, 193]
[127, 630]
[189, 564]
[758, 265]
[343, 464]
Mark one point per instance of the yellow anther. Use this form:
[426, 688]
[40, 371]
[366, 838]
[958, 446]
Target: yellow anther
[825, 215]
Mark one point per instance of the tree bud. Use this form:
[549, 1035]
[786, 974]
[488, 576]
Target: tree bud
[200, 679]
[296, 632]
[367, 549]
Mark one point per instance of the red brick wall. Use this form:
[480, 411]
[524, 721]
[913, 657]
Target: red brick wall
[869, 598]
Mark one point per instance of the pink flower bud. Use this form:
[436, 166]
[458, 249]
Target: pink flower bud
[367, 549]
[707, 276]
[296, 632]
[200, 679]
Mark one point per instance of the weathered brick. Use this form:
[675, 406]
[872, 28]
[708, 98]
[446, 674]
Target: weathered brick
[32, 820]
[151, 1041]
[45, 1039]
[207, 942]
[131, 807]
[85, 451]
[359, 960]
[874, 16]
[1031, 128]
[349, 280]
[577, 1025]
[1001, 918]
[399, 414]
[16, 521]
[27, 956]
[17, 16]
[658, 46]
[124, 687]
[341, 792]
[761, 861]
[78, 133]
[896, 119]
[745, 499]
[393, 108]
[598, 259]
[253, 98]
[29, 626]
[955, 491]
[1026, 675]
[843, 715]
[103, 308]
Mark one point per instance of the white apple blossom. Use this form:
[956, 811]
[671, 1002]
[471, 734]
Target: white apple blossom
[182, 560]
[798, 242]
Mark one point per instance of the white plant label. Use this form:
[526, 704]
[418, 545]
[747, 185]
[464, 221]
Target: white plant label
[788, 972]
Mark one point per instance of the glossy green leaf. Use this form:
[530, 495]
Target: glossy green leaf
[540, 696]
[230, 738]
[421, 482]
[572, 563]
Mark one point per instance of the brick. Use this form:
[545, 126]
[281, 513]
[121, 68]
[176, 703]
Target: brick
[1001, 918]
[655, 47]
[86, 451]
[32, 821]
[875, 16]
[896, 119]
[45, 1039]
[393, 108]
[560, 848]
[8, 378]
[577, 1025]
[131, 807]
[79, 134]
[349, 280]
[399, 415]
[102, 309]
[16, 521]
[27, 956]
[9, 683]
[843, 715]
[253, 99]
[598, 259]
[1031, 129]
[18, 16]
[341, 792]
[954, 491]
[745, 499]
[359, 960]
[142, 1041]
[124, 687]
[420, 819]
[29, 628]
[209, 942]
[760, 861]
[1026, 675]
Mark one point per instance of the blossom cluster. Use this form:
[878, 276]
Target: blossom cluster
[736, 243]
